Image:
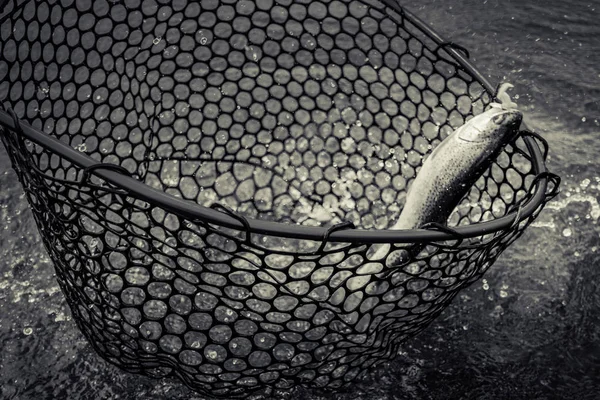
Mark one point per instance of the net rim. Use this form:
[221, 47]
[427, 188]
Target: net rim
[194, 211]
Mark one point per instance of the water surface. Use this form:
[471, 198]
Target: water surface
[530, 329]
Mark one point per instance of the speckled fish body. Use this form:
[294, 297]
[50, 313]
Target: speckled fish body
[455, 165]
[451, 170]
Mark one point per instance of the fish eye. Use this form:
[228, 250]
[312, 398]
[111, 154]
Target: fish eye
[499, 119]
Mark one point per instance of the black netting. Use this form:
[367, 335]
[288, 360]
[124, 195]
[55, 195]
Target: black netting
[301, 112]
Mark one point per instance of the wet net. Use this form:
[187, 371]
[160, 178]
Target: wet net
[211, 179]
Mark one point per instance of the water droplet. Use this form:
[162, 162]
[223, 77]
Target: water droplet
[485, 285]
[585, 183]
[583, 119]
[567, 232]
[503, 293]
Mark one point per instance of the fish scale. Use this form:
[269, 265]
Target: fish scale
[450, 171]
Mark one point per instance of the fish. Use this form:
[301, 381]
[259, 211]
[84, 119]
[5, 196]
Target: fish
[451, 170]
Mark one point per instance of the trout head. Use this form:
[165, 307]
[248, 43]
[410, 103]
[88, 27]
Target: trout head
[492, 129]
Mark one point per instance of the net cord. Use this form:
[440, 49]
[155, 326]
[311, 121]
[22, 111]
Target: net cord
[195, 211]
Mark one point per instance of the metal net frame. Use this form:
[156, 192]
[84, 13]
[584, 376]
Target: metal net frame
[211, 178]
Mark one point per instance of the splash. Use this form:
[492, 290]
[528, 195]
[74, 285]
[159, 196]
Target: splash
[578, 198]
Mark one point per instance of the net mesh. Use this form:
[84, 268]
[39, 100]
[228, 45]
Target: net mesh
[303, 112]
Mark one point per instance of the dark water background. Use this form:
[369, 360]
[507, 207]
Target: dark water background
[530, 330]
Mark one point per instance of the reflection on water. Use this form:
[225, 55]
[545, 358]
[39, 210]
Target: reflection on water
[529, 330]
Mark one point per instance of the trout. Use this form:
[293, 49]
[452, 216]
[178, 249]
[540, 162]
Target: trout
[451, 170]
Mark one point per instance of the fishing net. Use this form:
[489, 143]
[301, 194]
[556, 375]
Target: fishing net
[212, 178]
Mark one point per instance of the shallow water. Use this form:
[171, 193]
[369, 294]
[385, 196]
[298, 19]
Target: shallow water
[531, 329]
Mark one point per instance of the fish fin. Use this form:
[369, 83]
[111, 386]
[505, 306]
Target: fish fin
[505, 100]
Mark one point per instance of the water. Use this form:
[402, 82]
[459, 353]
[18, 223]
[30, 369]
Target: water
[530, 330]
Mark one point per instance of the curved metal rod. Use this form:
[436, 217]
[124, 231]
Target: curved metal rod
[193, 211]
[553, 178]
[455, 46]
[539, 137]
[436, 226]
